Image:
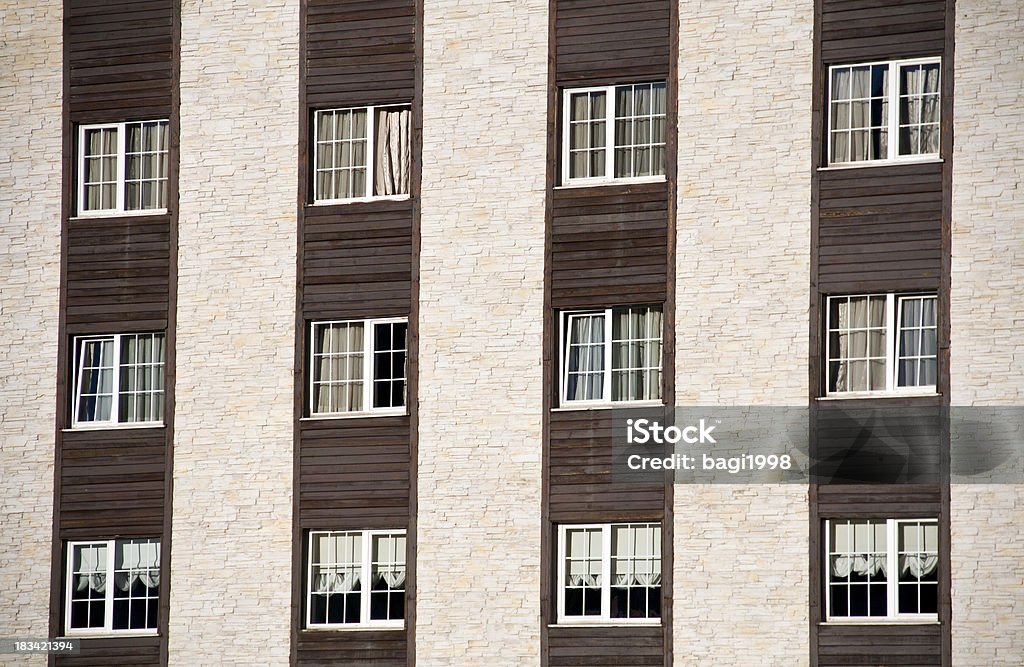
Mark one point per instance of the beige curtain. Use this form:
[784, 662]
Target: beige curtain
[393, 150]
[636, 354]
[340, 381]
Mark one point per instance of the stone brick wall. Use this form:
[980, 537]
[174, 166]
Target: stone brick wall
[30, 196]
[741, 567]
[481, 310]
[986, 317]
[231, 557]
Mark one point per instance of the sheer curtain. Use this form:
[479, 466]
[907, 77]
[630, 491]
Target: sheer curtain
[637, 559]
[862, 564]
[585, 376]
[140, 561]
[92, 572]
[636, 354]
[584, 551]
[336, 565]
[393, 152]
[858, 332]
[340, 382]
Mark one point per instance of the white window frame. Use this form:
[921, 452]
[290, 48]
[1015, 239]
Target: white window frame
[606, 391]
[892, 580]
[115, 410]
[366, 570]
[609, 140]
[371, 124]
[893, 315]
[368, 376]
[122, 137]
[606, 576]
[892, 122]
[108, 616]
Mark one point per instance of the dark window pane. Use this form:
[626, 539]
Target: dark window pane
[318, 609]
[619, 602]
[379, 605]
[654, 601]
[858, 600]
[879, 602]
[574, 602]
[929, 599]
[151, 613]
[352, 602]
[121, 608]
[335, 608]
[397, 604]
[908, 599]
[839, 601]
[137, 618]
[592, 602]
[382, 336]
[638, 603]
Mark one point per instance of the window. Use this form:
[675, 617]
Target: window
[611, 355]
[882, 569]
[614, 132]
[119, 379]
[361, 152]
[356, 578]
[866, 111]
[113, 586]
[881, 342]
[122, 168]
[609, 573]
[358, 367]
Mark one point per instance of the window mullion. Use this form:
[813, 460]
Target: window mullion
[608, 338]
[609, 129]
[371, 113]
[564, 325]
[309, 581]
[563, 559]
[122, 131]
[115, 408]
[606, 572]
[890, 342]
[364, 602]
[893, 120]
[368, 343]
[893, 565]
[108, 615]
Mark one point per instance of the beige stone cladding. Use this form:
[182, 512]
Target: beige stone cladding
[30, 219]
[741, 552]
[986, 320]
[481, 314]
[232, 527]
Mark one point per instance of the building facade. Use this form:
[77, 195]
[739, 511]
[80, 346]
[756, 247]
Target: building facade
[315, 313]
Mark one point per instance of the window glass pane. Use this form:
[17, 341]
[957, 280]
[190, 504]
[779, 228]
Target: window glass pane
[389, 356]
[857, 343]
[136, 584]
[636, 354]
[918, 562]
[583, 566]
[88, 586]
[917, 354]
[639, 130]
[337, 360]
[335, 587]
[919, 108]
[387, 588]
[95, 389]
[857, 568]
[584, 354]
[636, 571]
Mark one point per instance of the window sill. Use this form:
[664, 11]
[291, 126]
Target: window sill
[652, 623]
[394, 627]
[860, 395]
[880, 163]
[127, 426]
[609, 406]
[356, 415]
[887, 621]
[599, 182]
[358, 200]
[90, 215]
[109, 634]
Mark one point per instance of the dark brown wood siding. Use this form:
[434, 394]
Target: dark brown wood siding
[115, 652]
[359, 52]
[866, 30]
[120, 64]
[875, 645]
[611, 646]
[580, 462]
[880, 229]
[119, 59]
[355, 473]
[609, 41]
[118, 274]
[356, 261]
[609, 245]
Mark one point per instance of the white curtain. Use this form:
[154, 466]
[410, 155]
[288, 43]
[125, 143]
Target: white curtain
[140, 561]
[586, 358]
[92, 569]
[862, 564]
[866, 316]
[394, 578]
[636, 358]
[336, 579]
[393, 152]
[918, 565]
[340, 381]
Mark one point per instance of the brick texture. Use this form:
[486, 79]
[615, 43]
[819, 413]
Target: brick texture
[231, 557]
[986, 317]
[741, 565]
[481, 310]
[30, 177]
